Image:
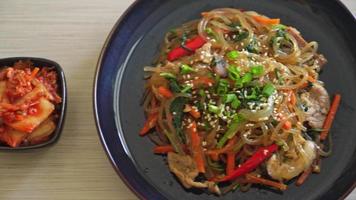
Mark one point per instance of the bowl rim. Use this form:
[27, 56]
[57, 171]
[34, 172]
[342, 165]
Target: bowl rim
[63, 106]
[99, 66]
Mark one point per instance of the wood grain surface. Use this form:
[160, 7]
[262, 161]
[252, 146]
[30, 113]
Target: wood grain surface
[72, 33]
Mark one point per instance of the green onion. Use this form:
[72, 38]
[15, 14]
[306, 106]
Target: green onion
[233, 72]
[246, 78]
[268, 89]
[235, 125]
[281, 33]
[253, 94]
[167, 75]
[257, 70]
[174, 86]
[235, 103]
[232, 98]
[222, 87]
[186, 69]
[278, 26]
[186, 89]
[209, 31]
[213, 109]
[228, 98]
[233, 55]
[202, 93]
[241, 36]
[238, 83]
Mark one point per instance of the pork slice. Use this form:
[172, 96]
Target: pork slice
[184, 167]
[318, 104]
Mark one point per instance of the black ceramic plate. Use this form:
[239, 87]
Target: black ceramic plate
[134, 42]
[60, 108]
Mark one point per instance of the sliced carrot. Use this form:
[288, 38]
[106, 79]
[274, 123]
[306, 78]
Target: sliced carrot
[163, 149]
[302, 178]
[196, 147]
[292, 98]
[195, 113]
[287, 125]
[149, 124]
[165, 92]
[214, 153]
[34, 73]
[258, 180]
[265, 20]
[330, 117]
[230, 162]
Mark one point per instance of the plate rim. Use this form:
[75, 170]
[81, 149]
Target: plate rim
[99, 66]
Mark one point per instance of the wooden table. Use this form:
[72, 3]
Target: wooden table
[72, 33]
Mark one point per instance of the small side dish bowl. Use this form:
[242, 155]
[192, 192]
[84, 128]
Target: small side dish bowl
[60, 108]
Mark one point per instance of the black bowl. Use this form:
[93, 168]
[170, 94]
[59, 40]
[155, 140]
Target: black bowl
[61, 108]
[135, 41]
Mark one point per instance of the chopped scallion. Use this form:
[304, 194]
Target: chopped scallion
[186, 69]
[213, 109]
[228, 98]
[246, 78]
[235, 103]
[268, 89]
[167, 75]
[233, 55]
[233, 72]
[257, 70]
[186, 89]
[223, 86]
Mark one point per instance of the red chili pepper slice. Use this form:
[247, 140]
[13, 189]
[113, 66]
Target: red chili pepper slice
[192, 44]
[252, 163]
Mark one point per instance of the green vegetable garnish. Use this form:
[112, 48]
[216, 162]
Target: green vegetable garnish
[235, 103]
[253, 47]
[232, 98]
[238, 83]
[241, 36]
[177, 107]
[253, 94]
[257, 70]
[268, 89]
[213, 109]
[202, 93]
[278, 26]
[208, 30]
[186, 69]
[186, 89]
[235, 125]
[174, 86]
[167, 75]
[233, 55]
[223, 86]
[246, 78]
[233, 72]
[228, 98]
